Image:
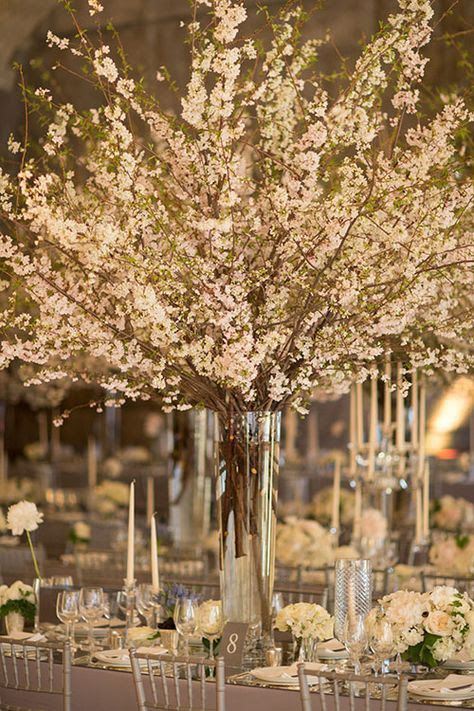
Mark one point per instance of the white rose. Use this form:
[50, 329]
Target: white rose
[23, 516]
[439, 623]
[82, 530]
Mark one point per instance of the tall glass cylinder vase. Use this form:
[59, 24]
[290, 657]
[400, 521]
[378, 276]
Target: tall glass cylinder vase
[247, 459]
[190, 477]
[353, 591]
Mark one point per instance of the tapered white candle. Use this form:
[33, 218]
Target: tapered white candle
[421, 428]
[291, 428]
[91, 462]
[359, 416]
[372, 428]
[155, 575]
[357, 512]
[150, 497]
[400, 420]
[131, 536]
[426, 502]
[414, 409]
[352, 432]
[418, 513]
[336, 493]
[387, 398]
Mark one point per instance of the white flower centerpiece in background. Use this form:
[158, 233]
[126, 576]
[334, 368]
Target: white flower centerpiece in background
[24, 517]
[428, 628]
[80, 534]
[308, 623]
[303, 542]
[452, 514]
[453, 555]
[17, 605]
[110, 496]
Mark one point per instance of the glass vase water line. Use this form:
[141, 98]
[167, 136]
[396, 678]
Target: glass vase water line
[247, 463]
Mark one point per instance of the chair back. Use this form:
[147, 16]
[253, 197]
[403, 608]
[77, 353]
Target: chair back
[373, 689]
[168, 683]
[431, 580]
[27, 666]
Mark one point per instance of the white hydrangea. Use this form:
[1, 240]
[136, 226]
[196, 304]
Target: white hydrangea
[23, 516]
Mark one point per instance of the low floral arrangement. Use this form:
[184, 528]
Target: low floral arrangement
[36, 451]
[304, 542]
[15, 489]
[428, 628]
[168, 597]
[305, 620]
[453, 555]
[142, 636]
[321, 506]
[110, 496]
[24, 517]
[80, 533]
[19, 598]
[452, 514]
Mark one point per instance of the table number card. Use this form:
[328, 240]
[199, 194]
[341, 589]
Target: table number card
[232, 643]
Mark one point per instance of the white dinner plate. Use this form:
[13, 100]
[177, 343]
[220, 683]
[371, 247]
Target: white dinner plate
[121, 658]
[459, 664]
[424, 688]
[286, 676]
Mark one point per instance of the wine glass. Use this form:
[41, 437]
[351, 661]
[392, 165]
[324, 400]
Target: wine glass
[356, 638]
[211, 622]
[382, 643]
[185, 619]
[145, 602]
[67, 610]
[91, 607]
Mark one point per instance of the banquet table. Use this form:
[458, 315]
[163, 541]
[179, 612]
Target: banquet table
[103, 690]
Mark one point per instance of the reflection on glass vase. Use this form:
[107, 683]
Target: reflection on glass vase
[247, 456]
[304, 649]
[190, 481]
[353, 591]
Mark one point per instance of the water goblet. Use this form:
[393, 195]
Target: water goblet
[91, 607]
[382, 644]
[211, 622]
[67, 610]
[145, 603]
[356, 638]
[185, 619]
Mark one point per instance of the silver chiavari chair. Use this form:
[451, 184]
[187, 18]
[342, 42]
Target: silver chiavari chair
[331, 686]
[168, 683]
[30, 667]
[431, 580]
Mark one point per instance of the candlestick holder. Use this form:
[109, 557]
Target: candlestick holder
[130, 590]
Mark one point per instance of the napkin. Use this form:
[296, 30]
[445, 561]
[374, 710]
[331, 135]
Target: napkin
[453, 682]
[23, 636]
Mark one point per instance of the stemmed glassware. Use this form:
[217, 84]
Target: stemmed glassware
[382, 644]
[67, 610]
[211, 623]
[355, 638]
[145, 602]
[92, 608]
[185, 619]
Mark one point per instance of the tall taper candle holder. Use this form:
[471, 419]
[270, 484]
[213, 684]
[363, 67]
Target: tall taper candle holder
[129, 588]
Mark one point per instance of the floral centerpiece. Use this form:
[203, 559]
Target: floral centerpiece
[428, 628]
[169, 595]
[17, 605]
[308, 623]
[223, 241]
[453, 555]
[80, 534]
[452, 514]
[321, 506]
[303, 542]
[110, 496]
